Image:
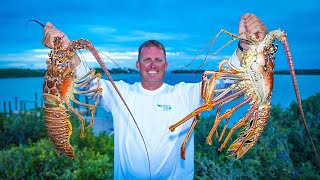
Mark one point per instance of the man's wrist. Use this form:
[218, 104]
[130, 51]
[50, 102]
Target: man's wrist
[241, 48]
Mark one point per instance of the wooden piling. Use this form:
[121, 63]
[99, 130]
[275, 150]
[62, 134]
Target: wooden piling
[4, 107]
[21, 104]
[16, 103]
[36, 101]
[10, 108]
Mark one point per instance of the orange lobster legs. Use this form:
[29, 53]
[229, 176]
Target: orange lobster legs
[250, 133]
[207, 92]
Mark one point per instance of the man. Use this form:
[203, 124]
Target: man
[155, 106]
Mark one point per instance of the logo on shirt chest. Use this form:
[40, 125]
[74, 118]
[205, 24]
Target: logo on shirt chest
[164, 107]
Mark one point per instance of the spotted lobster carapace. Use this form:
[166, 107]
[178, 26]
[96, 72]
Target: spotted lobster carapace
[252, 81]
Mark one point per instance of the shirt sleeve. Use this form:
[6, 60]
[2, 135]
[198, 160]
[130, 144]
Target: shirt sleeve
[234, 60]
[223, 83]
[81, 70]
[106, 97]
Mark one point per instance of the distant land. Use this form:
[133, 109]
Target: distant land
[17, 73]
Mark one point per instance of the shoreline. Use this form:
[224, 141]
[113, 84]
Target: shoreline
[26, 73]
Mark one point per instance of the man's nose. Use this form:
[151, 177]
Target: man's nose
[153, 64]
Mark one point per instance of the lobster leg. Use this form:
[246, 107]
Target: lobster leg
[237, 125]
[227, 114]
[227, 119]
[204, 107]
[208, 87]
[184, 144]
[237, 147]
[217, 121]
[80, 118]
[79, 82]
[92, 107]
[87, 82]
[218, 113]
[224, 129]
[250, 134]
[196, 112]
[97, 91]
[208, 106]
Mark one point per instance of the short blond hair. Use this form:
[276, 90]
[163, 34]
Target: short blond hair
[151, 43]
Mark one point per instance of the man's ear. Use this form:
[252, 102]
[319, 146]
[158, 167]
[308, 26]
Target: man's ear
[138, 65]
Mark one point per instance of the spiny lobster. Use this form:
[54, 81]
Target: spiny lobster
[58, 89]
[254, 82]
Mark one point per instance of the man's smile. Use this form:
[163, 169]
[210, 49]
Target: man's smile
[153, 72]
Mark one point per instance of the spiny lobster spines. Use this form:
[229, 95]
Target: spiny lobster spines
[260, 55]
[79, 44]
[60, 72]
[258, 63]
[59, 130]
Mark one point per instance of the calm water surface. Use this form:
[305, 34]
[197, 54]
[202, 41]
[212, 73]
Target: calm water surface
[26, 88]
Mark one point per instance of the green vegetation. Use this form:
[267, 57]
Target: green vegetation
[24, 157]
[282, 152]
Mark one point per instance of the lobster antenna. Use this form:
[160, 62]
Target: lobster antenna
[109, 58]
[197, 54]
[285, 44]
[234, 37]
[25, 27]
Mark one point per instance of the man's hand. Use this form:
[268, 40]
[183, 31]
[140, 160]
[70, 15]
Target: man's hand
[252, 26]
[50, 32]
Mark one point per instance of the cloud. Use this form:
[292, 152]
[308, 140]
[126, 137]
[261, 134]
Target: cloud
[35, 58]
[134, 35]
[26, 56]
[102, 30]
[144, 35]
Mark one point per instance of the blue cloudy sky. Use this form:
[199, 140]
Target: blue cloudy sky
[118, 27]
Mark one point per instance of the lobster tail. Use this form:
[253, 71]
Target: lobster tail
[59, 129]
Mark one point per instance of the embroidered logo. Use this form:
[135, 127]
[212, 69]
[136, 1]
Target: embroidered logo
[164, 107]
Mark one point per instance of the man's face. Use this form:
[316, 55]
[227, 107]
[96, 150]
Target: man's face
[152, 66]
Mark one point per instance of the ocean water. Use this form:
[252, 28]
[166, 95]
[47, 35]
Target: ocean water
[28, 89]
